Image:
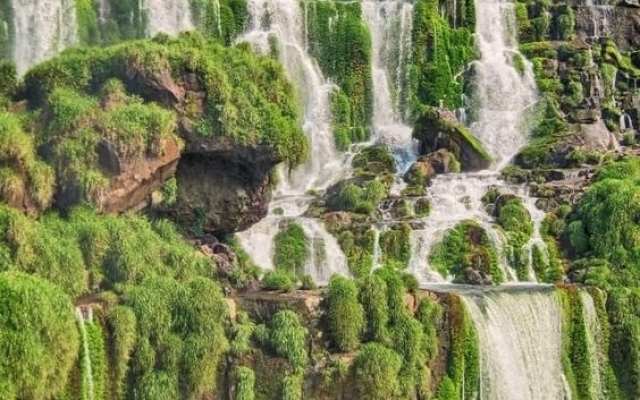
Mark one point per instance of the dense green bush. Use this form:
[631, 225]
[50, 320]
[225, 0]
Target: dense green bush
[467, 245]
[345, 315]
[21, 172]
[395, 246]
[373, 297]
[340, 41]
[245, 379]
[440, 53]
[39, 338]
[288, 338]
[376, 370]
[291, 249]
[277, 280]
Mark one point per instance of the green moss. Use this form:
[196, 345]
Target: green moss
[261, 110]
[22, 168]
[623, 308]
[121, 322]
[357, 246]
[277, 280]
[291, 249]
[373, 297]
[395, 246]
[440, 53]
[376, 370]
[287, 338]
[345, 315]
[340, 41]
[462, 377]
[224, 19]
[576, 352]
[463, 247]
[36, 356]
[87, 21]
[98, 357]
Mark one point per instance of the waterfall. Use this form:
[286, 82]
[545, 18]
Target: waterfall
[504, 94]
[283, 20]
[520, 338]
[599, 18]
[390, 24]
[625, 122]
[41, 28]
[375, 255]
[594, 338]
[168, 16]
[85, 350]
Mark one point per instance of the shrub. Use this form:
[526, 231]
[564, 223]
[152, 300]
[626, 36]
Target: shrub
[288, 338]
[277, 280]
[39, 337]
[291, 249]
[245, 381]
[376, 371]
[373, 296]
[345, 315]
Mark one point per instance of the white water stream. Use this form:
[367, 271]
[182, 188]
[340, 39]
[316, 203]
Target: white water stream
[168, 16]
[42, 28]
[520, 337]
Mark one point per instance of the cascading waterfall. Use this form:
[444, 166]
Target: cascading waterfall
[86, 356]
[41, 28]
[390, 24]
[600, 13]
[168, 16]
[504, 96]
[520, 338]
[504, 93]
[625, 122]
[282, 22]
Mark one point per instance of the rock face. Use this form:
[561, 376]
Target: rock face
[222, 187]
[439, 128]
[621, 23]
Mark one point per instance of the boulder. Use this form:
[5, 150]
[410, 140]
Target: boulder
[438, 128]
[426, 167]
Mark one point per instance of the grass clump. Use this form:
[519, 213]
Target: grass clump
[291, 249]
[40, 339]
[345, 315]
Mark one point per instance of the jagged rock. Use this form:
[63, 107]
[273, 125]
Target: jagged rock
[585, 116]
[595, 138]
[439, 128]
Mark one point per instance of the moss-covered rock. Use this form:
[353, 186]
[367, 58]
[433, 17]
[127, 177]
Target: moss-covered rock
[439, 129]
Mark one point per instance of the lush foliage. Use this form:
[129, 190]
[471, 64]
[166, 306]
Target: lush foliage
[345, 316]
[440, 52]
[291, 249]
[287, 337]
[467, 246]
[38, 337]
[22, 174]
[245, 379]
[261, 110]
[376, 372]
[340, 41]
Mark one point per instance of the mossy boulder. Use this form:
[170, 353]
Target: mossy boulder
[438, 128]
[426, 167]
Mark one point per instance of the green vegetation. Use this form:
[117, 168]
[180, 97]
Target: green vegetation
[357, 246]
[341, 42]
[463, 363]
[514, 218]
[224, 19]
[22, 174]
[395, 246]
[467, 246]
[376, 372]
[245, 379]
[603, 225]
[287, 338]
[440, 53]
[291, 249]
[277, 280]
[345, 315]
[373, 296]
[261, 110]
[39, 337]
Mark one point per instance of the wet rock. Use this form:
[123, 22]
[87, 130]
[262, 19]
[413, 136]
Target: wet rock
[438, 128]
[426, 167]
